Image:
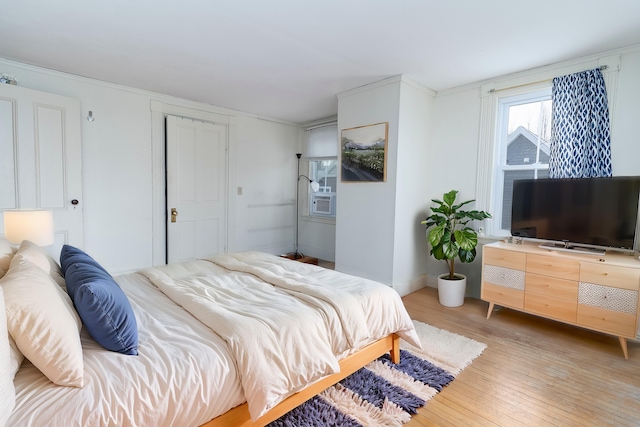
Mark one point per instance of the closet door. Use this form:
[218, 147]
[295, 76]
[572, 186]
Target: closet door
[41, 159]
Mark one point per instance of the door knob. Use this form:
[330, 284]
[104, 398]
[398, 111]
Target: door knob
[174, 214]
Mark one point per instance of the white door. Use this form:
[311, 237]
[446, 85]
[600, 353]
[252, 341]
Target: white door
[196, 189]
[41, 159]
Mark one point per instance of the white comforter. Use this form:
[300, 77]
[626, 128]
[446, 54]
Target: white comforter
[286, 323]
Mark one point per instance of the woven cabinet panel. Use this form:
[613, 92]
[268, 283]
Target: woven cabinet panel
[607, 297]
[506, 277]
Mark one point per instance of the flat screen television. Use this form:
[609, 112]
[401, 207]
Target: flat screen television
[579, 213]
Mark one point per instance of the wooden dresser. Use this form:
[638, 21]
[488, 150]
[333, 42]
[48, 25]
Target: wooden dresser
[598, 292]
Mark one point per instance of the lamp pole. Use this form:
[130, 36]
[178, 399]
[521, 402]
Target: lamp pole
[296, 254]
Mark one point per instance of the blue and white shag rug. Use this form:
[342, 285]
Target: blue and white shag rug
[385, 394]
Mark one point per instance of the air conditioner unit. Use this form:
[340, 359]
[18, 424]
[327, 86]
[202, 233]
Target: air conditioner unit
[323, 204]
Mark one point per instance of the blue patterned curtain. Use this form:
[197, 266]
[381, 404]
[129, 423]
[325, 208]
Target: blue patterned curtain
[580, 144]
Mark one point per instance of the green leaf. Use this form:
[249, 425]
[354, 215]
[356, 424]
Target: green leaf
[467, 256]
[435, 235]
[450, 249]
[437, 252]
[456, 207]
[441, 209]
[478, 215]
[450, 197]
[467, 238]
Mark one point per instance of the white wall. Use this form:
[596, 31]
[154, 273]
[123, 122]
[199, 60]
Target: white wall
[414, 151]
[452, 164]
[117, 170]
[625, 135]
[377, 225]
[266, 171]
[365, 211]
[317, 236]
[457, 132]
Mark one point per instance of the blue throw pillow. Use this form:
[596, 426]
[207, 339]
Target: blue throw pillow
[100, 302]
[70, 254]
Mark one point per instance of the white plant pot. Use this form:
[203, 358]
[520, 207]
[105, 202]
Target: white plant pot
[451, 292]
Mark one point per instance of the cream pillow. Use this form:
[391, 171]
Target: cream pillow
[42, 321]
[39, 257]
[15, 356]
[6, 254]
[7, 390]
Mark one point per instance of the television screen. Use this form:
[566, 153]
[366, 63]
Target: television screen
[602, 212]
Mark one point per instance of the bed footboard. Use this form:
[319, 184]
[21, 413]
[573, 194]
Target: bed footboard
[239, 416]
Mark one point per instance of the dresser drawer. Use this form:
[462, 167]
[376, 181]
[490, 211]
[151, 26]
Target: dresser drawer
[610, 275]
[503, 258]
[561, 289]
[553, 308]
[561, 268]
[613, 322]
[502, 295]
[608, 298]
[502, 276]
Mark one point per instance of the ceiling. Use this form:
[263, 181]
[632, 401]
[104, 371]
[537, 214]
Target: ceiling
[288, 59]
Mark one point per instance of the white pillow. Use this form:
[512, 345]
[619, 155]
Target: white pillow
[7, 390]
[39, 257]
[6, 254]
[42, 321]
[15, 356]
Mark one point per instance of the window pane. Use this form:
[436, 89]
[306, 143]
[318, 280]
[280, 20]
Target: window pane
[325, 173]
[507, 194]
[528, 133]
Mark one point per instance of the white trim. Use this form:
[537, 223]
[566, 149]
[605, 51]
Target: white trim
[610, 58]
[486, 156]
[333, 122]
[385, 82]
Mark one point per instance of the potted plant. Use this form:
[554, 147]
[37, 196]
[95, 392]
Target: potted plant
[451, 237]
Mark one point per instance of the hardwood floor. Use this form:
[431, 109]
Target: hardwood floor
[534, 372]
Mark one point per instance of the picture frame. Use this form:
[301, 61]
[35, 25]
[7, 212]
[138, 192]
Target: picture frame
[364, 153]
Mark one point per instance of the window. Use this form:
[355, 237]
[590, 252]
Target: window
[322, 154]
[325, 173]
[523, 133]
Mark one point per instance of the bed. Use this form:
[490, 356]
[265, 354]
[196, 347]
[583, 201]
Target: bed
[233, 340]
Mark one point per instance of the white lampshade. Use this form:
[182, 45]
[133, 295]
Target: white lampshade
[32, 225]
[314, 186]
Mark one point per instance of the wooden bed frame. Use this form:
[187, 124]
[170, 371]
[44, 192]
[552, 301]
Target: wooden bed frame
[239, 416]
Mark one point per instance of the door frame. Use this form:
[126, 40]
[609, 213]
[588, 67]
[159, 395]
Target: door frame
[159, 110]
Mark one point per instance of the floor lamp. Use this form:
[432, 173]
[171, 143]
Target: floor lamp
[314, 187]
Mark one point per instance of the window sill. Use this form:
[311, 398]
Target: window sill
[318, 219]
[485, 240]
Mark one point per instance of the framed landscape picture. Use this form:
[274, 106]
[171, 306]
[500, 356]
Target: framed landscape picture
[364, 153]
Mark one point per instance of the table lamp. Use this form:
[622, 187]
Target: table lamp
[35, 226]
